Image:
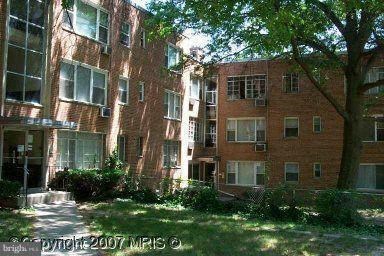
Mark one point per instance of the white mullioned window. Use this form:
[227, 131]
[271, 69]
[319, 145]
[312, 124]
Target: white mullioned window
[25, 51]
[371, 176]
[79, 150]
[88, 20]
[194, 130]
[141, 91]
[171, 153]
[143, 38]
[172, 56]
[374, 74]
[121, 147]
[317, 124]
[194, 171]
[172, 105]
[125, 34]
[246, 173]
[291, 172]
[195, 89]
[317, 170]
[83, 83]
[246, 129]
[291, 82]
[373, 131]
[246, 87]
[124, 90]
[291, 127]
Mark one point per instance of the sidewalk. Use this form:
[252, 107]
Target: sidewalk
[61, 220]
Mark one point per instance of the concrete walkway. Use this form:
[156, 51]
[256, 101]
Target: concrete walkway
[62, 230]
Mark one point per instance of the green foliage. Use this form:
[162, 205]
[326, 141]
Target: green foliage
[339, 207]
[9, 189]
[93, 184]
[113, 161]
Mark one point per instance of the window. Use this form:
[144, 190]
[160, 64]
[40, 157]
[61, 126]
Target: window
[291, 127]
[292, 172]
[210, 91]
[125, 34]
[371, 176]
[210, 133]
[25, 60]
[172, 56]
[246, 130]
[140, 145]
[291, 83]
[171, 153]
[121, 147]
[172, 107]
[143, 38]
[83, 83]
[195, 89]
[246, 87]
[373, 131]
[194, 130]
[245, 173]
[88, 20]
[79, 150]
[141, 91]
[317, 170]
[372, 76]
[124, 90]
[194, 171]
[317, 125]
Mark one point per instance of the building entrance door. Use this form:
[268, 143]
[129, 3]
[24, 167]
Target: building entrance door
[23, 149]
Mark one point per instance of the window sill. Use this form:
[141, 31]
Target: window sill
[291, 138]
[374, 141]
[72, 31]
[173, 167]
[246, 142]
[24, 103]
[123, 104]
[172, 119]
[81, 102]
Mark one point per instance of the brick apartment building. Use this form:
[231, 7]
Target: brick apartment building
[77, 84]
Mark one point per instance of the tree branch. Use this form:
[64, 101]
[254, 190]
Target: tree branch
[331, 15]
[368, 86]
[296, 54]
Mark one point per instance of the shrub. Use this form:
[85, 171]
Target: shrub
[146, 196]
[199, 198]
[89, 184]
[9, 189]
[338, 207]
[113, 161]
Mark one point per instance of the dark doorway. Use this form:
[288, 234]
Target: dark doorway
[209, 170]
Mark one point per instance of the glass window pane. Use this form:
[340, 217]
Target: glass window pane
[104, 19]
[15, 59]
[98, 96]
[35, 38]
[172, 105]
[246, 173]
[246, 130]
[123, 96]
[103, 35]
[366, 177]
[19, 8]
[15, 85]
[36, 12]
[32, 90]
[291, 123]
[368, 130]
[66, 80]
[83, 84]
[86, 19]
[98, 80]
[17, 30]
[231, 178]
[34, 63]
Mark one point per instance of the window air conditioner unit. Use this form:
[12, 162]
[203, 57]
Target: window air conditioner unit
[105, 112]
[105, 49]
[260, 102]
[261, 147]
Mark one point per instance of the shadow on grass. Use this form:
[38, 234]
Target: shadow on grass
[14, 224]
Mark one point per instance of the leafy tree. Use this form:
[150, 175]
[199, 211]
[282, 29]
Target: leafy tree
[312, 32]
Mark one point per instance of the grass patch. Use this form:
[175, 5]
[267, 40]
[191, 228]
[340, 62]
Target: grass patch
[210, 234]
[14, 224]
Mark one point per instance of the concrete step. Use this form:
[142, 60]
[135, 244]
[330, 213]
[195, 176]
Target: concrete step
[44, 198]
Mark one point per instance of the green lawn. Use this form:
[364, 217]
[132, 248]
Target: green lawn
[14, 224]
[208, 234]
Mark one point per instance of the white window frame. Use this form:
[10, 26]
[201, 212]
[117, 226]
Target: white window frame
[193, 170]
[128, 34]
[199, 87]
[167, 55]
[175, 94]
[234, 88]
[376, 128]
[320, 169]
[143, 38]
[118, 97]
[365, 189]
[141, 91]
[98, 24]
[168, 144]
[140, 146]
[369, 79]
[93, 69]
[298, 126]
[285, 75]
[236, 172]
[285, 172]
[255, 119]
[194, 130]
[119, 137]
[321, 124]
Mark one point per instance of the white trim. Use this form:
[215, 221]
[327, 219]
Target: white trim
[166, 116]
[298, 172]
[141, 91]
[121, 136]
[143, 38]
[285, 74]
[246, 119]
[314, 170]
[236, 172]
[313, 124]
[118, 89]
[298, 126]
[125, 33]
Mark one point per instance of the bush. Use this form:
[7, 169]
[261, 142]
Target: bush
[339, 207]
[91, 184]
[201, 198]
[9, 189]
[146, 196]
